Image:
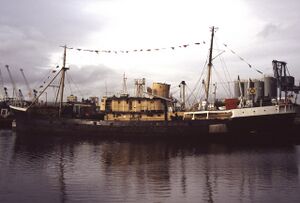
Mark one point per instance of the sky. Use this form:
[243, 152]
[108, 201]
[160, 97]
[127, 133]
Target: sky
[32, 31]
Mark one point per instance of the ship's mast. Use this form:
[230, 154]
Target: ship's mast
[209, 66]
[62, 81]
[62, 71]
[124, 91]
[182, 86]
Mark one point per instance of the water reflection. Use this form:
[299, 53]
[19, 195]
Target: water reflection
[65, 169]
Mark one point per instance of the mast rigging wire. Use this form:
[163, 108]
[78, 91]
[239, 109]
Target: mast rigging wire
[242, 59]
[222, 83]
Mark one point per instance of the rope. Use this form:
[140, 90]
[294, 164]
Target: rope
[225, 69]
[242, 59]
[197, 83]
[69, 83]
[222, 83]
[76, 86]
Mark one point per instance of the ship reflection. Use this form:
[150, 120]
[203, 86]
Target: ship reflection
[110, 170]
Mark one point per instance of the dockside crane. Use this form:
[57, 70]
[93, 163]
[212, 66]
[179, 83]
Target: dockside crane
[27, 84]
[6, 97]
[15, 92]
[2, 86]
[21, 96]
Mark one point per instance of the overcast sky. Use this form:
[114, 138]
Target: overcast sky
[32, 31]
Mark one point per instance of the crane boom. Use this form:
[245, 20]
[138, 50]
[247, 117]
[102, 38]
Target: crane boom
[2, 84]
[15, 92]
[27, 84]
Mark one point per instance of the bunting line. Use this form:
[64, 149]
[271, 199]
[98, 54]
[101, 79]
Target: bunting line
[242, 59]
[97, 51]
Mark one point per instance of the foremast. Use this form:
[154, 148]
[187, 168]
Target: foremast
[62, 81]
[60, 91]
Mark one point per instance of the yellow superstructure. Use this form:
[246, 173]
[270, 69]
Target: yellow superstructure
[131, 104]
[72, 98]
[154, 107]
[132, 108]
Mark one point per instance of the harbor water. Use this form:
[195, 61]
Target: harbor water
[79, 169]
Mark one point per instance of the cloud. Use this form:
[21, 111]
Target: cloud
[91, 79]
[31, 31]
[268, 30]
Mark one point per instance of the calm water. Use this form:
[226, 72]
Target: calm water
[93, 170]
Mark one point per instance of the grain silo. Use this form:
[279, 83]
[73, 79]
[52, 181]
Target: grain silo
[270, 87]
[259, 89]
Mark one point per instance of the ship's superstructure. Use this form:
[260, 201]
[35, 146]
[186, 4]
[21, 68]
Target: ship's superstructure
[145, 106]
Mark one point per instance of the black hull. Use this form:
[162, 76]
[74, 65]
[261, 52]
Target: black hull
[113, 129]
[273, 125]
[268, 123]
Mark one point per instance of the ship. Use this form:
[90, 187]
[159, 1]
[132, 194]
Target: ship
[156, 114]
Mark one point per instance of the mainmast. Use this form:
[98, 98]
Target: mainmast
[209, 66]
[62, 81]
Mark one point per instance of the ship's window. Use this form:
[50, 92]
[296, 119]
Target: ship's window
[130, 105]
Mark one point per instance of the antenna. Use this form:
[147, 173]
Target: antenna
[124, 91]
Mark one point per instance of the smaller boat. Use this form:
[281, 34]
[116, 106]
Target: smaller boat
[6, 117]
